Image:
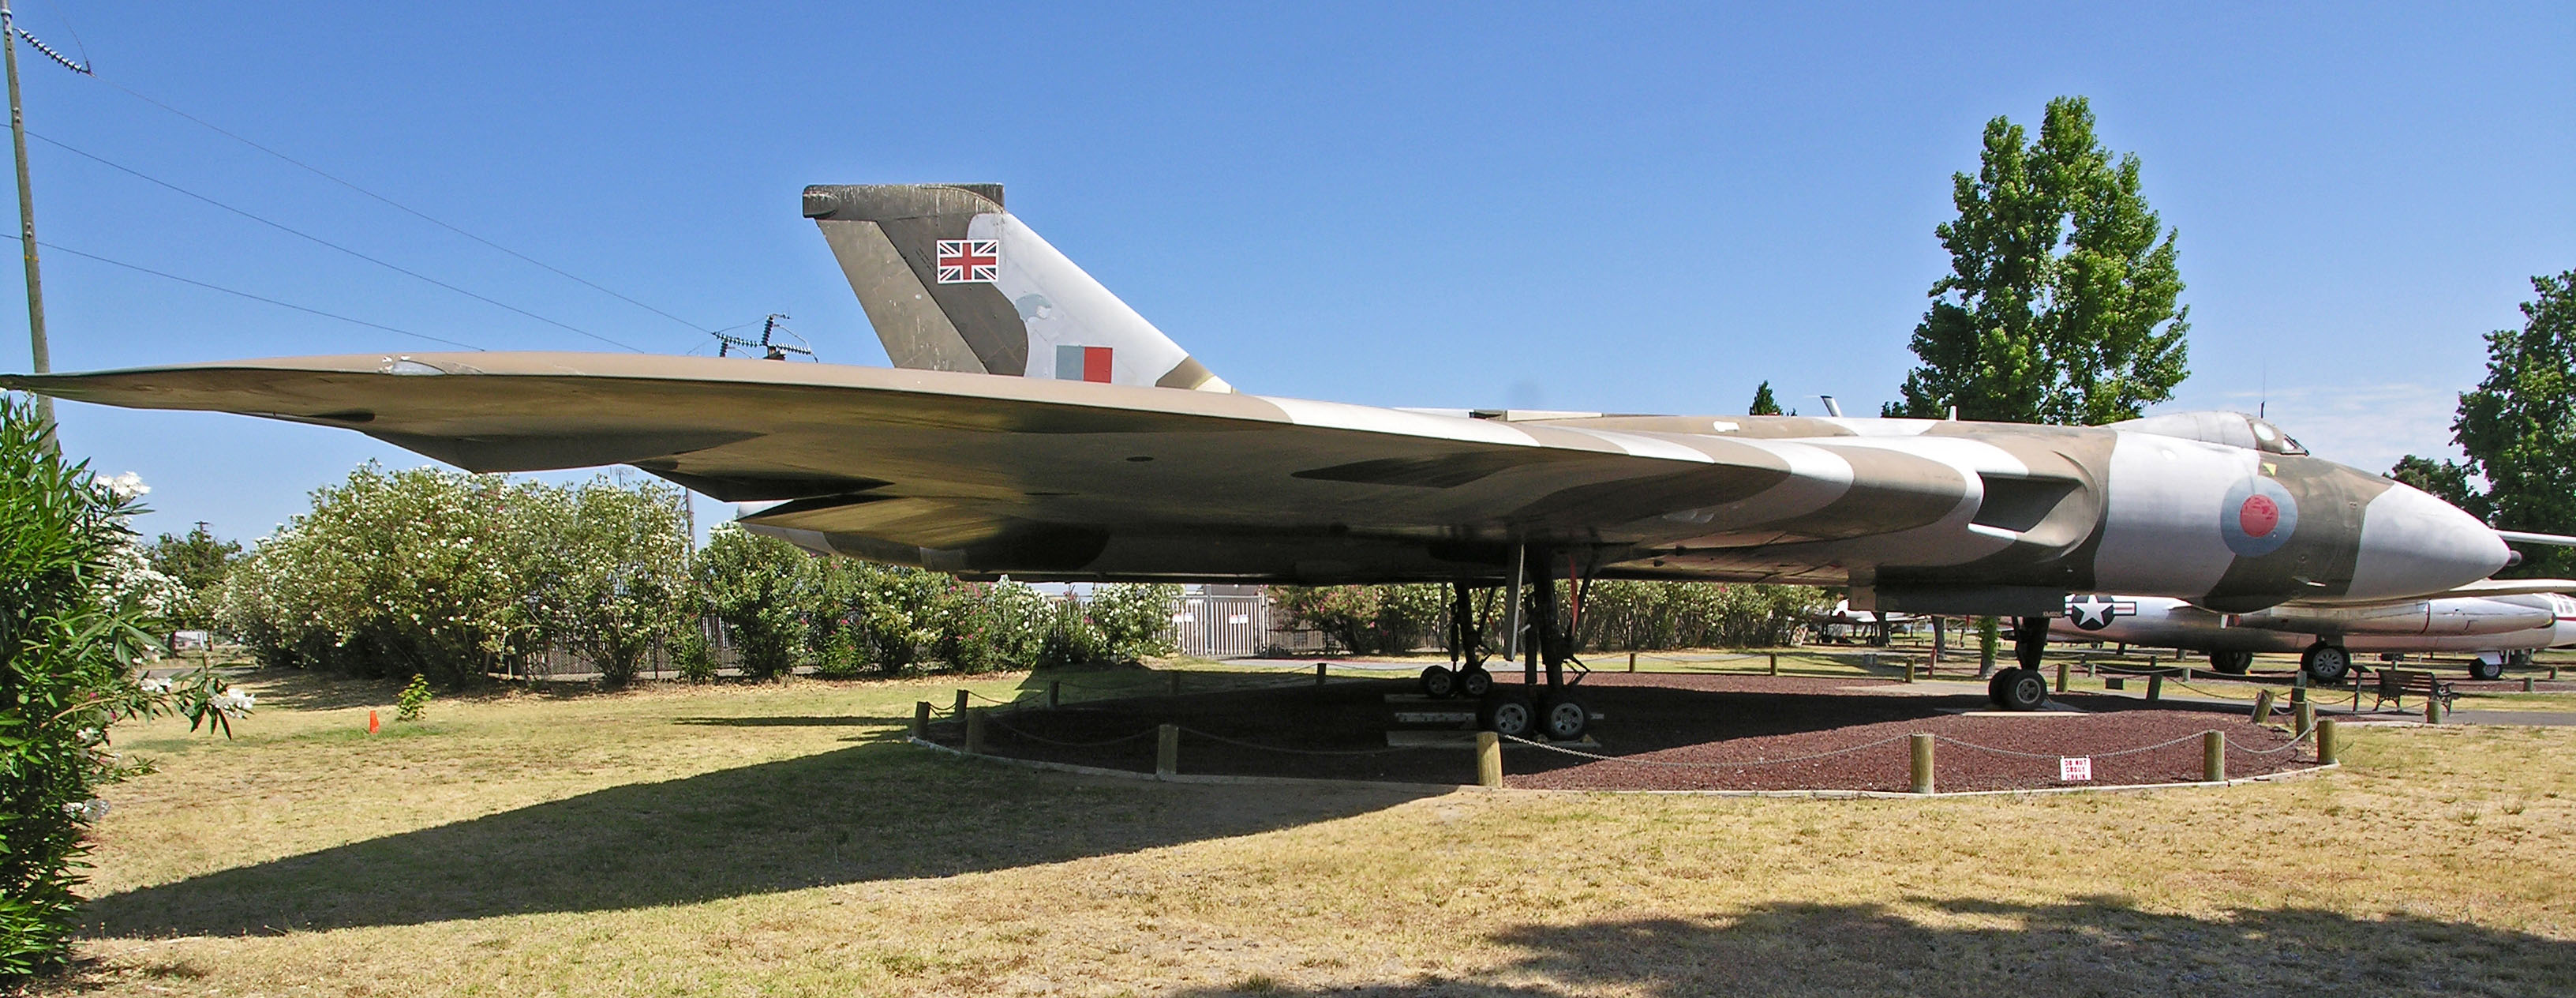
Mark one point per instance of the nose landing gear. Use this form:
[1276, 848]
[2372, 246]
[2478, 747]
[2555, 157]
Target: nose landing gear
[2022, 687]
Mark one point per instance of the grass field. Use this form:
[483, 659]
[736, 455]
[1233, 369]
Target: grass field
[783, 840]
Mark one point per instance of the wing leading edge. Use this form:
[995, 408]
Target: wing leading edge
[990, 474]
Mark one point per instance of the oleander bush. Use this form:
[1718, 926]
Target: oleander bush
[76, 605]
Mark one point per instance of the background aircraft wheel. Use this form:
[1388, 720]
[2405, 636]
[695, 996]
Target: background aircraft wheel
[1438, 681]
[2483, 669]
[1563, 720]
[1995, 685]
[2518, 659]
[2232, 663]
[2326, 663]
[2023, 689]
[1504, 714]
[1474, 681]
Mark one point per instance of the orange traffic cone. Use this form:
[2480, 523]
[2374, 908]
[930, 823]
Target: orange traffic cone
[372, 723]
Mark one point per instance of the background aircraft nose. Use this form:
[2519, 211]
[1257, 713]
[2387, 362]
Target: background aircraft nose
[2413, 545]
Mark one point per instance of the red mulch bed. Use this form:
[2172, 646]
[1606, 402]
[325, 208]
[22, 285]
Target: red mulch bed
[1339, 731]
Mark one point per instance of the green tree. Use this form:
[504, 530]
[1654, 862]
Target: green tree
[198, 563]
[2447, 480]
[611, 575]
[419, 571]
[765, 591]
[2518, 426]
[1763, 403]
[2060, 306]
[69, 648]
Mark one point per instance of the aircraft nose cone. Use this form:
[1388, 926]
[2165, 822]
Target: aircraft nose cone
[2414, 545]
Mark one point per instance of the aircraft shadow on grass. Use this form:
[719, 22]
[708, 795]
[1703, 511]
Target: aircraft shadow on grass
[2091, 946]
[865, 813]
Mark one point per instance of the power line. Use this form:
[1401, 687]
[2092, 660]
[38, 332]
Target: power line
[397, 205]
[282, 227]
[245, 294]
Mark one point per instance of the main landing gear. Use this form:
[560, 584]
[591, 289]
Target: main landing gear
[1466, 644]
[1534, 710]
[2231, 663]
[2022, 687]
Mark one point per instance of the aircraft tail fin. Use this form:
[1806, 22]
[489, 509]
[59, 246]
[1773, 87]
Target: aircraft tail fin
[954, 283]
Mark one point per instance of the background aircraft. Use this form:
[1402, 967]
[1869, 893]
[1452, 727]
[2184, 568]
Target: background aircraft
[1037, 426]
[2494, 627]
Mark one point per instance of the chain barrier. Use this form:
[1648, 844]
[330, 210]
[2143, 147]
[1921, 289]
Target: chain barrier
[1292, 751]
[1704, 765]
[998, 723]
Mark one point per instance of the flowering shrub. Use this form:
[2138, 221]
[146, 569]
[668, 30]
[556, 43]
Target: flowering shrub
[609, 579]
[765, 591]
[71, 632]
[420, 571]
[1367, 620]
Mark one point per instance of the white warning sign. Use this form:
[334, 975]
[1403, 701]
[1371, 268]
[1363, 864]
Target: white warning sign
[2077, 769]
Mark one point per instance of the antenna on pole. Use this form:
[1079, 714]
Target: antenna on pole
[768, 350]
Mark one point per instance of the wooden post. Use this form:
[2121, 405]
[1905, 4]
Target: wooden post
[1869, 660]
[975, 732]
[921, 719]
[2432, 709]
[2263, 707]
[1909, 670]
[1632, 667]
[2213, 756]
[1055, 693]
[2061, 675]
[1923, 764]
[2328, 750]
[2526, 684]
[1167, 750]
[960, 711]
[2155, 686]
[1489, 759]
[1940, 638]
[1319, 673]
[1775, 663]
[2305, 715]
[2186, 672]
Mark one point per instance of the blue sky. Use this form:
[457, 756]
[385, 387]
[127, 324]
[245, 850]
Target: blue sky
[1617, 207]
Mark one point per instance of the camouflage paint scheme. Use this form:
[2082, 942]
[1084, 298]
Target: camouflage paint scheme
[979, 454]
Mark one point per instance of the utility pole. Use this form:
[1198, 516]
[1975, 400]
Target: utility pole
[42, 356]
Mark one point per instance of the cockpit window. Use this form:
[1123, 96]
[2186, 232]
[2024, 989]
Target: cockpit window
[2269, 439]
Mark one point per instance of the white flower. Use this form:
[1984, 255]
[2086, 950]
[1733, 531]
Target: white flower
[155, 685]
[86, 811]
[127, 486]
[86, 735]
[234, 703]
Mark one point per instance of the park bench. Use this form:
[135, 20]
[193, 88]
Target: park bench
[2398, 684]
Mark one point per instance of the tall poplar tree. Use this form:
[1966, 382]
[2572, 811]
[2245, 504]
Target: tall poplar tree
[2060, 306]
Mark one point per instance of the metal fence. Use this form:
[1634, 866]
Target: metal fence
[1221, 625]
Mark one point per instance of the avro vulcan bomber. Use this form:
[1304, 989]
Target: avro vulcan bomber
[1036, 426]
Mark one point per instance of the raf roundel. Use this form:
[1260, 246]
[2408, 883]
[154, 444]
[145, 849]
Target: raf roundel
[2257, 517]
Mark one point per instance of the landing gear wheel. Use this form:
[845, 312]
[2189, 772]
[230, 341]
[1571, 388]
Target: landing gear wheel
[1504, 714]
[1474, 681]
[1995, 685]
[2325, 663]
[2231, 663]
[2023, 689]
[1439, 682]
[2518, 659]
[2482, 669]
[1563, 720]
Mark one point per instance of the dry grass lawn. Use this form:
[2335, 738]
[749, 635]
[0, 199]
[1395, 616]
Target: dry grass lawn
[783, 840]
